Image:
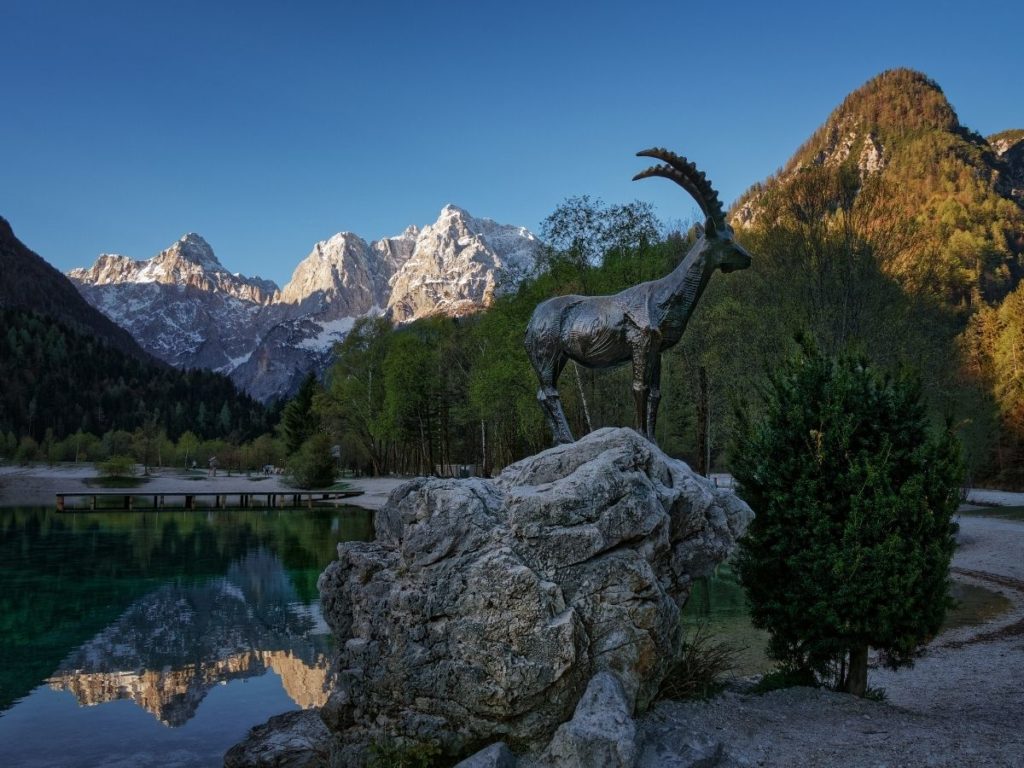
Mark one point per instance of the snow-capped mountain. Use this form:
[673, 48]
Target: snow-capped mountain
[190, 262]
[456, 265]
[184, 307]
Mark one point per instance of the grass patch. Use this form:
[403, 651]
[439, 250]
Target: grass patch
[402, 753]
[875, 694]
[778, 679]
[1004, 513]
[700, 667]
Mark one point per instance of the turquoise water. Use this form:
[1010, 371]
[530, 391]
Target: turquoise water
[136, 639]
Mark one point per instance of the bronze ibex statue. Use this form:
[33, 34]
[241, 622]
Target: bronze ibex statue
[639, 323]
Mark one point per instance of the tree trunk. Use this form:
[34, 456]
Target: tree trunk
[703, 423]
[583, 397]
[857, 678]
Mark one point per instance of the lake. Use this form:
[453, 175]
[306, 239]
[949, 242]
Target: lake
[139, 639]
[160, 638]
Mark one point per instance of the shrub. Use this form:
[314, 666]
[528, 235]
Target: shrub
[854, 499]
[117, 466]
[313, 465]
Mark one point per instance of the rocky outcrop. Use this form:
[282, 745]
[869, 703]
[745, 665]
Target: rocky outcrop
[1009, 149]
[291, 740]
[484, 608]
[601, 732]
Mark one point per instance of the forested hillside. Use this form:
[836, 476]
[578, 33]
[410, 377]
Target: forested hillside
[55, 381]
[893, 232]
[892, 179]
[27, 282]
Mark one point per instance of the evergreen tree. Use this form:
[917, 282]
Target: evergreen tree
[854, 500]
[298, 422]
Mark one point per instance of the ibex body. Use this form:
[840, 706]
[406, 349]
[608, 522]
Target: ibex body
[638, 324]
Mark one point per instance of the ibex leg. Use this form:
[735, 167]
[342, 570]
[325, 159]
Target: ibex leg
[552, 405]
[653, 398]
[644, 363]
[549, 364]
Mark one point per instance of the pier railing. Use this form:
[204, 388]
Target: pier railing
[91, 500]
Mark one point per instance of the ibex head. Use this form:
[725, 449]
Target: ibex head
[723, 251]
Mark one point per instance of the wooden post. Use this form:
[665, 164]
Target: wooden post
[92, 503]
[60, 502]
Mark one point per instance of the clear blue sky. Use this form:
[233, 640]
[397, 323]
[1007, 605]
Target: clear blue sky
[266, 126]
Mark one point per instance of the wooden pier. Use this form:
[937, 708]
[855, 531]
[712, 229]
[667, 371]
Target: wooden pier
[143, 501]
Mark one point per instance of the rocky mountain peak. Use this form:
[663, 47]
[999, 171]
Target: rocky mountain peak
[1009, 149]
[457, 265]
[886, 110]
[194, 248]
[343, 261]
[895, 114]
[189, 262]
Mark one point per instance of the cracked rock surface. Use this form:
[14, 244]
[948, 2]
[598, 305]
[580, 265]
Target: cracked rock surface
[484, 608]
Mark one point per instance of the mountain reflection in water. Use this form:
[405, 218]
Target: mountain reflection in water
[168, 649]
[156, 611]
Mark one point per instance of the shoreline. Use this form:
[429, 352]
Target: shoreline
[957, 706]
[38, 485]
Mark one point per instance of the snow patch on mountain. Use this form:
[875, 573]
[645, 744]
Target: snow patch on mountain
[331, 331]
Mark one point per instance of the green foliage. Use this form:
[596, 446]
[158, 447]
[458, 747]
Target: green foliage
[700, 666]
[786, 677]
[52, 377]
[298, 422]
[854, 501]
[117, 466]
[27, 451]
[313, 466]
[937, 216]
[403, 753]
[582, 231]
[352, 406]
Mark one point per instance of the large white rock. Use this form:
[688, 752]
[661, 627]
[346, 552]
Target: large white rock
[485, 607]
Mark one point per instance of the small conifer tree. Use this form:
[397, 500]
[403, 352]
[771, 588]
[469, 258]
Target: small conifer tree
[854, 499]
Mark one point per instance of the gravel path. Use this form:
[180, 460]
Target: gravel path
[961, 705]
